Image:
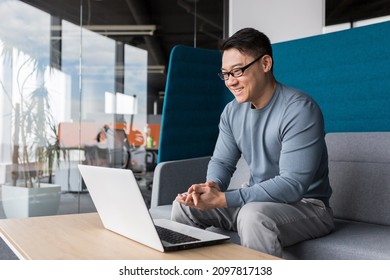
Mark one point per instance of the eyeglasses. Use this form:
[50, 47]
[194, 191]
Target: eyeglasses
[237, 72]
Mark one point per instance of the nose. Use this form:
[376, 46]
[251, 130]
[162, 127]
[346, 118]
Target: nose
[231, 81]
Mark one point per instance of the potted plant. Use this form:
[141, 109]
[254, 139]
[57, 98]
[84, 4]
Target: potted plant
[35, 147]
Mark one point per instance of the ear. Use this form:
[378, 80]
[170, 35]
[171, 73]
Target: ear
[267, 63]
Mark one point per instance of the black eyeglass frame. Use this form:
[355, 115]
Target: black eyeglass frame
[222, 75]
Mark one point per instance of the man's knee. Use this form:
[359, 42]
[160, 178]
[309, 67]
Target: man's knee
[257, 229]
[255, 212]
[177, 212]
[253, 220]
[183, 214]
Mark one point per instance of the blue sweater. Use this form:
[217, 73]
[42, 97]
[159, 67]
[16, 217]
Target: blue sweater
[283, 144]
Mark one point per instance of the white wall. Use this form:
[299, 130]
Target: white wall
[280, 20]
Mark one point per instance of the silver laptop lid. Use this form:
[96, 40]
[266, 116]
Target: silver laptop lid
[120, 204]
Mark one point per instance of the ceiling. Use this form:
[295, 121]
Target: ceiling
[175, 22]
[342, 11]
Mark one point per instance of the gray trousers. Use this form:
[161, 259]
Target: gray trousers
[264, 226]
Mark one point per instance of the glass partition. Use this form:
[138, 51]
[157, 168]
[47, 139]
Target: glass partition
[68, 95]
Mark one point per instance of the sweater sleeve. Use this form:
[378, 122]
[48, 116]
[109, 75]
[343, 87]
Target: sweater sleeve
[226, 154]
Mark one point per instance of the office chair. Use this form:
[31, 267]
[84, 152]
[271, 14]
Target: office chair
[119, 149]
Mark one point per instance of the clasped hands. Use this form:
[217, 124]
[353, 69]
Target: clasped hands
[203, 196]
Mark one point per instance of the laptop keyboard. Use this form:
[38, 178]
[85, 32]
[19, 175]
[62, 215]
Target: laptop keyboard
[173, 237]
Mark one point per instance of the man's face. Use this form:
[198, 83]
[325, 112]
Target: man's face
[250, 86]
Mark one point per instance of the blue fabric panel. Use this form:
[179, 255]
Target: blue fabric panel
[347, 72]
[194, 100]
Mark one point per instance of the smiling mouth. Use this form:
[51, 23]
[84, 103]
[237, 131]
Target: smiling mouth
[237, 91]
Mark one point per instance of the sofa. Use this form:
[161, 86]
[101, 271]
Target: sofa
[359, 172]
[347, 74]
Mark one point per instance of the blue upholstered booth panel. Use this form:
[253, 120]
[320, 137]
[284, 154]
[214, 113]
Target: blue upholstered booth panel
[194, 100]
[346, 72]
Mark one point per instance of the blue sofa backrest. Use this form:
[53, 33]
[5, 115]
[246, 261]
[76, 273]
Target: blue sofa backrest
[346, 72]
[194, 100]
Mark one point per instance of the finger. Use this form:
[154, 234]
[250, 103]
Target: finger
[188, 198]
[181, 197]
[196, 199]
[184, 202]
[193, 188]
[189, 201]
[190, 189]
[199, 189]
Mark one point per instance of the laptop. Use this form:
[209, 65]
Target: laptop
[122, 209]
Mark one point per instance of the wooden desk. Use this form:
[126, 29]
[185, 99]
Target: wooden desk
[82, 236]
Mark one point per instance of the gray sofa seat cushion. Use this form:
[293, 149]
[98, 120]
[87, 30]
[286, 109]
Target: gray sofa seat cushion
[349, 241]
[161, 212]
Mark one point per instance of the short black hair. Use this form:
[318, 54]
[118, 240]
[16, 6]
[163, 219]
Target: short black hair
[248, 41]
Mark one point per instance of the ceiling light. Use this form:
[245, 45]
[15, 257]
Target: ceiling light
[156, 69]
[118, 30]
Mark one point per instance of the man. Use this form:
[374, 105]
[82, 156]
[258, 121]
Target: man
[279, 131]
